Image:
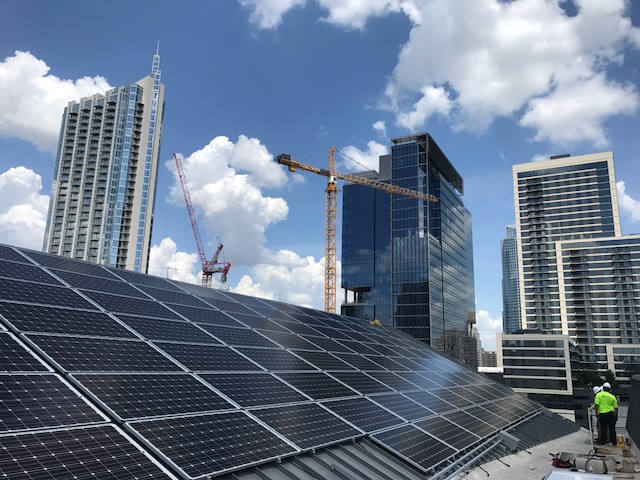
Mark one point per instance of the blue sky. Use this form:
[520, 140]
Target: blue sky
[495, 83]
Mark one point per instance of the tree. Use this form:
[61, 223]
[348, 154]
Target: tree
[588, 378]
[610, 377]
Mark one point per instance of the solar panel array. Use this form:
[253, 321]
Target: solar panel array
[123, 375]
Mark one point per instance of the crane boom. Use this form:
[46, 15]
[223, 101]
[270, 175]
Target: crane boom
[209, 267]
[331, 202]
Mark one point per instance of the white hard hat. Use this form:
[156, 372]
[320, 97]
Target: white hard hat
[606, 385]
[596, 389]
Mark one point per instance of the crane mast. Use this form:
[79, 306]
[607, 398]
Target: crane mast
[209, 267]
[331, 202]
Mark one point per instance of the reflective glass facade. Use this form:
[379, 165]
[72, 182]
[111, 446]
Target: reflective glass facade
[510, 283]
[407, 262]
[103, 192]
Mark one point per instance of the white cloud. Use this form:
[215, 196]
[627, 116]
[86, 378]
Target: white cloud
[32, 100]
[627, 203]
[267, 14]
[23, 210]
[381, 128]
[166, 261]
[495, 58]
[225, 181]
[355, 159]
[435, 100]
[488, 327]
[350, 14]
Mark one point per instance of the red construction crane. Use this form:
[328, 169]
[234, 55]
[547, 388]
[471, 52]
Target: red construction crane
[209, 267]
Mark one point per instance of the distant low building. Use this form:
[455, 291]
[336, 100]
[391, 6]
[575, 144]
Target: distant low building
[489, 359]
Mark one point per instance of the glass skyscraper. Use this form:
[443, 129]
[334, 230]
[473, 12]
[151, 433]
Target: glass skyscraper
[510, 283]
[103, 192]
[408, 262]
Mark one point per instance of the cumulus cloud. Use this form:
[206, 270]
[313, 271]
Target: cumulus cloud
[350, 14]
[381, 128]
[434, 100]
[166, 261]
[488, 327]
[267, 14]
[225, 179]
[32, 100]
[628, 204]
[23, 210]
[355, 159]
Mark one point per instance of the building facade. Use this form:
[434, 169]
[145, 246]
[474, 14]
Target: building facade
[407, 262]
[511, 321]
[103, 192]
[579, 276]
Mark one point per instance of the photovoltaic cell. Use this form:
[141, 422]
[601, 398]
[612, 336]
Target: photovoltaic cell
[394, 381]
[15, 358]
[141, 279]
[187, 442]
[260, 323]
[231, 307]
[358, 347]
[327, 344]
[487, 416]
[417, 379]
[99, 284]
[298, 328]
[40, 401]
[29, 292]
[173, 331]
[431, 401]
[452, 398]
[38, 318]
[387, 363]
[88, 452]
[364, 414]
[253, 389]
[8, 253]
[207, 357]
[361, 382]
[238, 336]
[62, 263]
[75, 354]
[469, 394]
[333, 333]
[360, 362]
[308, 425]
[24, 271]
[448, 432]
[133, 306]
[402, 406]
[136, 395]
[415, 445]
[275, 359]
[316, 385]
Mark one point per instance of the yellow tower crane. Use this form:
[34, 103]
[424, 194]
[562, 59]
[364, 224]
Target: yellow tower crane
[332, 194]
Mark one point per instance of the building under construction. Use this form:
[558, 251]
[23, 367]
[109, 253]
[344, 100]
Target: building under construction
[408, 262]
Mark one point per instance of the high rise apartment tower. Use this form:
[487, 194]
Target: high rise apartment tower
[103, 192]
[407, 262]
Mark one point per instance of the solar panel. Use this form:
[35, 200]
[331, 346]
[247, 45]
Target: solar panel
[418, 380]
[361, 382]
[364, 414]
[188, 442]
[452, 398]
[358, 347]
[431, 401]
[487, 416]
[231, 307]
[131, 305]
[289, 340]
[24, 271]
[253, 389]
[299, 328]
[8, 253]
[148, 280]
[317, 385]
[252, 302]
[469, 394]
[135, 395]
[471, 423]
[360, 362]
[332, 333]
[169, 296]
[29, 292]
[99, 284]
[41, 401]
[327, 344]
[62, 263]
[448, 432]
[76, 354]
[89, 452]
[238, 336]
[207, 357]
[394, 381]
[402, 406]
[415, 445]
[14, 356]
[387, 363]
[308, 425]
[170, 330]
[275, 359]
[323, 360]
[42, 319]
[209, 315]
